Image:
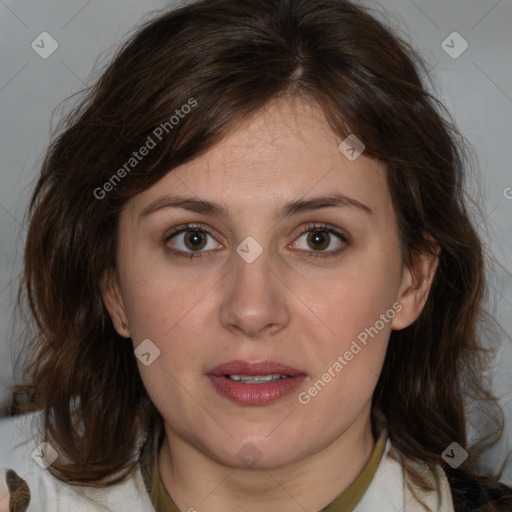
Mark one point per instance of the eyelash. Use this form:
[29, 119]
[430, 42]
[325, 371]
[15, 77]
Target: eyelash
[311, 227]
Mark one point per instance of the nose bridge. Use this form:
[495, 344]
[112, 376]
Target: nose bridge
[252, 270]
[254, 299]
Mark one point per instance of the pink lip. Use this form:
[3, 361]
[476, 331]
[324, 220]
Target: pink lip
[254, 394]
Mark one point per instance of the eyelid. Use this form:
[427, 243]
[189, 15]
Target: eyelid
[187, 227]
[321, 226]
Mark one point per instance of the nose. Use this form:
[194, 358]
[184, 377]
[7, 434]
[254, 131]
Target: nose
[255, 299]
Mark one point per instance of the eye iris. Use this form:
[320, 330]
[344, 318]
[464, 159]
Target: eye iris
[318, 238]
[195, 237]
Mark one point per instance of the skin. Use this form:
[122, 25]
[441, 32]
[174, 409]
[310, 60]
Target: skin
[287, 306]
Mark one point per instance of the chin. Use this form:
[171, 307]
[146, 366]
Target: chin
[253, 454]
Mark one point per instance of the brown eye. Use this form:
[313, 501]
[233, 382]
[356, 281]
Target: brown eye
[195, 240]
[321, 241]
[190, 241]
[318, 240]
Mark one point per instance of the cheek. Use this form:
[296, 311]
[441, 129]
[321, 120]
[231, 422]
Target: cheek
[167, 315]
[347, 364]
[173, 318]
[159, 301]
[364, 290]
[358, 311]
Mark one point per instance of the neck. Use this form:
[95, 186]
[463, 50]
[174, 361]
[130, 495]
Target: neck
[197, 481]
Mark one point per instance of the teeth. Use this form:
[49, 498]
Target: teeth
[257, 379]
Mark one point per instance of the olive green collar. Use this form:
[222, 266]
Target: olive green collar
[162, 501]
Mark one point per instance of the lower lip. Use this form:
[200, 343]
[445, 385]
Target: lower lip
[255, 394]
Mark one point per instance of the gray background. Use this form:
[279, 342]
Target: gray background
[476, 87]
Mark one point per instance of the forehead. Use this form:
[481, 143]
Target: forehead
[285, 152]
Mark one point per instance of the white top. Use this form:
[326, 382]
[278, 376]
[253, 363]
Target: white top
[20, 452]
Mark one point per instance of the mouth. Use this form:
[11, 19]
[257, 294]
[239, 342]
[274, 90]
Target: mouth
[257, 379]
[252, 383]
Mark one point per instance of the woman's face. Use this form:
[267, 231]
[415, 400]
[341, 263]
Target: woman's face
[292, 261]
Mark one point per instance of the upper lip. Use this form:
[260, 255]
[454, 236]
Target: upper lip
[239, 367]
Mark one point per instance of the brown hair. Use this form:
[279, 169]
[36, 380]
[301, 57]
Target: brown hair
[231, 58]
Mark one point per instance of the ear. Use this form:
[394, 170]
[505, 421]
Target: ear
[415, 286]
[113, 301]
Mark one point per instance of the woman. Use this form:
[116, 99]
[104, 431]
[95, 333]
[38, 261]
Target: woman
[254, 278]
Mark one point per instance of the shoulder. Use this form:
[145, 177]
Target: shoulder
[454, 490]
[23, 474]
[470, 494]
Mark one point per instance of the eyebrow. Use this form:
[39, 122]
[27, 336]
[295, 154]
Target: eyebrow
[288, 210]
